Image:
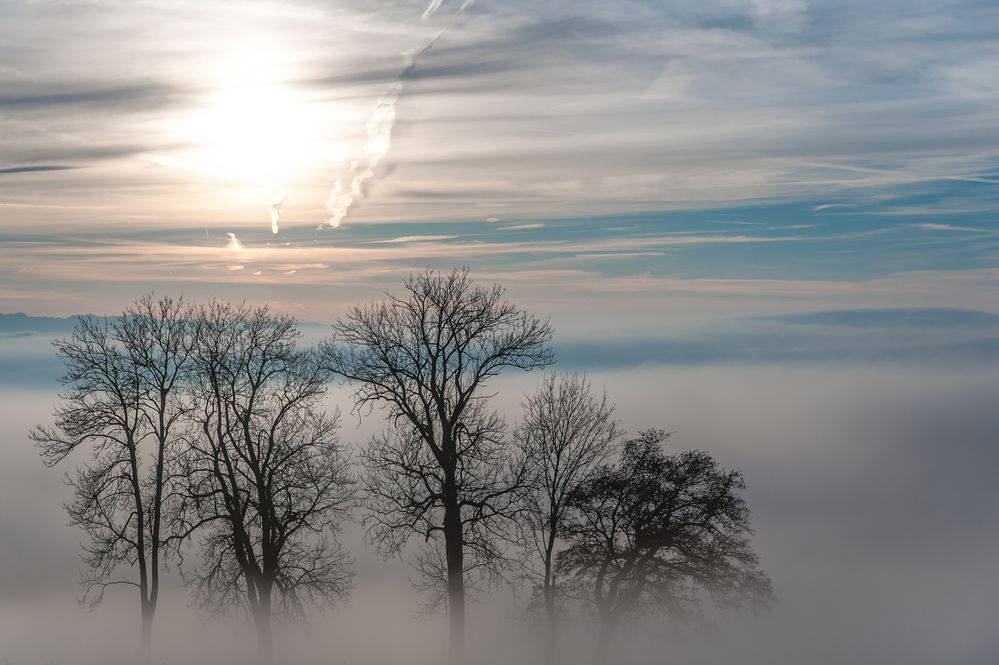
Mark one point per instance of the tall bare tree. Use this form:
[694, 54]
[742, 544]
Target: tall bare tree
[125, 378]
[566, 431]
[428, 357]
[405, 491]
[269, 481]
[659, 532]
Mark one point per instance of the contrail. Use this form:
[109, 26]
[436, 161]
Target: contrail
[432, 7]
[275, 208]
[379, 131]
[436, 4]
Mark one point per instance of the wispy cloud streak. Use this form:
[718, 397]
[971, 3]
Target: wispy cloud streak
[44, 168]
[379, 130]
[379, 139]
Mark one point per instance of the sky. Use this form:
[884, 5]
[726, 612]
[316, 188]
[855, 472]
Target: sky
[771, 226]
[692, 153]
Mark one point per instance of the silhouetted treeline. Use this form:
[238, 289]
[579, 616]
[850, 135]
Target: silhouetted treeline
[207, 432]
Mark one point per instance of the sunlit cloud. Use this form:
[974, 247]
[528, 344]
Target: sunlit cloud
[413, 239]
[929, 226]
[522, 227]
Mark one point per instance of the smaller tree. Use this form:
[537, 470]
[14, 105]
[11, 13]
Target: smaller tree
[125, 379]
[565, 433]
[660, 532]
[268, 481]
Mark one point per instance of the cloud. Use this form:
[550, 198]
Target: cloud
[522, 227]
[916, 336]
[44, 168]
[50, 97]
[916, 318]
[432, 7]
[733, 102]
[379, 132]
[949, 227]
[406, 239]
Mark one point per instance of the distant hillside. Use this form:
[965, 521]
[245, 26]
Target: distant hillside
[22, 323]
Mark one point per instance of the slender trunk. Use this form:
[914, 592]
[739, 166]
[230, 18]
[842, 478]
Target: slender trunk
[150, 600]
[148, 612]
[549, 594]
[149, 608]
[454, 551]
[552, 627]
[262, 622]
[145, 607]
[608, 626]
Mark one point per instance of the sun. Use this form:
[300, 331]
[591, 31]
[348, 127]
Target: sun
[254, 123]
[255, 131]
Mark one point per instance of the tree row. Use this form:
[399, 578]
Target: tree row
[210, 447]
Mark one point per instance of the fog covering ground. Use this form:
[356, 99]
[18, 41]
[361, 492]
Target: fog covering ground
[869, 445]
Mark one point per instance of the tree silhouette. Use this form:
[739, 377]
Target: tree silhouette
[405, 496]
[268, 480]
[428, 357]
[566, 431]
[125, 377]
[659, 532]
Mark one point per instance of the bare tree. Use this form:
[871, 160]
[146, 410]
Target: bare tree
[428, 357]
[660, 532]
[405, 492]
[125, 378]
[269, 482]
[565, 433]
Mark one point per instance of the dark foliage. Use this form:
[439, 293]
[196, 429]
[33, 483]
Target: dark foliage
[660, 532]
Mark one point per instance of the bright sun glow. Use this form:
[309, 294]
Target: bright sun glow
[254, 125]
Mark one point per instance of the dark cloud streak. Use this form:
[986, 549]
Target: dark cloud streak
[123, 97]
[41, 168]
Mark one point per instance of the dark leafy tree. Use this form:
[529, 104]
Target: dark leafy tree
[565, 433]
[125, 379]
[428, 357]
[660, 532]
[268, 479]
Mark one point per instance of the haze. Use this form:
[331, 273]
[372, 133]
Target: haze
[769, 226]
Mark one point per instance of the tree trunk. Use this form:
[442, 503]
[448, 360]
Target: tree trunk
[608, 626]
[454, 550]
[262, 622]
[148, 612]
[549, 590]
[552, 626]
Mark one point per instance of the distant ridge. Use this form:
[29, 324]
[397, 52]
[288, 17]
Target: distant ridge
[22, 323]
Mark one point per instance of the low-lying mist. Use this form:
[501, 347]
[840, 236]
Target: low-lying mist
[872, 497]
